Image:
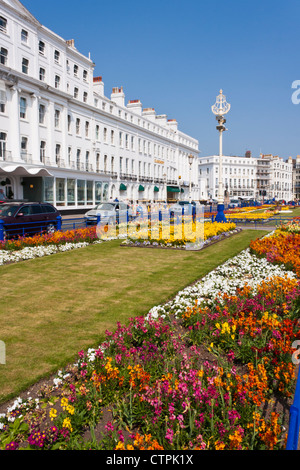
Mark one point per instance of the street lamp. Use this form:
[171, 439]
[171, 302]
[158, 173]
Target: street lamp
[220, 109]
[191, 159]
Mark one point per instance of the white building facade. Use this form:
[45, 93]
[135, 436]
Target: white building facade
[239, 177]
[263, 178]
[275, 178]
[63, 141]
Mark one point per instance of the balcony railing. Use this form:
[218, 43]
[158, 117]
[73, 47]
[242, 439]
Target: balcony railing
[5, 155]
[26, 157]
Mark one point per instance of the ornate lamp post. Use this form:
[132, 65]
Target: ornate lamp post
[191, 159]
[220, 109]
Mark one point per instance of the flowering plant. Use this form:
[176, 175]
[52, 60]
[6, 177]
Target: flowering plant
[196, 373]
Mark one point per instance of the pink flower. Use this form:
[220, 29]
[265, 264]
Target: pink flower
[170, 435]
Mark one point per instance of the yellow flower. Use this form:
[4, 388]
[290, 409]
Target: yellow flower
[64, 403]
[67, 424]
[53, 414]
[70, 409]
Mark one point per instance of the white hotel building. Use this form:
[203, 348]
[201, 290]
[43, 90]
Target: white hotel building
[64, 142]
[263, 178]
[239, 177]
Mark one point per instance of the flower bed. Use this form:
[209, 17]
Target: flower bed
[281, 247]
[197, 373]
[252, 215]
[201, 235]
[25, 248]
[85, 235]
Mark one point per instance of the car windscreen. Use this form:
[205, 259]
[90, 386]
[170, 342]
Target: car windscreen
[8, 211]
[105, 207]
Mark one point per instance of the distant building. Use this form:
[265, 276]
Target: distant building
[296, 177]
[63, 141]
[274, 178]
[263, 178]
[239, 177]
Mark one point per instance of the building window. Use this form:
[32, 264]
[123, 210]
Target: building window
[85, 75]
[78, 158]
[42, 151]
[3, 56]
[2, 145]
[76, 92]
[77, 126]
[57, 81]
[23, 107]
[2, 100]
[69, 123]
[24, 143]
[85, 97]
[104, 134]
[57, 154]
[71, 184]
[75, 70]
[69, 156]
[57, 118]
[97, 132]
[25, 65]
[87, 160]
[24, 35]
[3, 24]
[42, 74]
[56, 56]
[87, 128]
[41, 48]
[42, 113]
[81, 199]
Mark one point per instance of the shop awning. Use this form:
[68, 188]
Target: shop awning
[173, 189]
[141, 188]
[156, 189]
[123, 187]
[23, 170]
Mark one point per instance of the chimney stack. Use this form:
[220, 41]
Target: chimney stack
[98, 86]
[135, 106]
[173, 125]
[118, 96]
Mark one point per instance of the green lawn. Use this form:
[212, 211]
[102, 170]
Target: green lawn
[55, 306]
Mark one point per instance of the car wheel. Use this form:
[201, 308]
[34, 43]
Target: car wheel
[51, 228]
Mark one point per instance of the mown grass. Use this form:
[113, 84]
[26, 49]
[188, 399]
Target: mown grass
[55, 306]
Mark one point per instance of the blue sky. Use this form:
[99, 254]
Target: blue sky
[175, 55]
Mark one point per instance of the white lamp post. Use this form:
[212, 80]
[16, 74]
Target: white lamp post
[191, 159]
[220, 109]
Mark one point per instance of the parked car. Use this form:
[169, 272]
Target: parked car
[28, 218]
[109, 212]
[234, 203]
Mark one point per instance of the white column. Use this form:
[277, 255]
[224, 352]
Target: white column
[50, 153]
[14, 134]
[34, 138]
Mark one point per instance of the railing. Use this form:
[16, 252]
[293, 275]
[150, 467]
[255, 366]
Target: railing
[5, 155]
[294, 424]
[59, 224]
